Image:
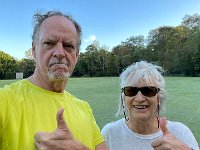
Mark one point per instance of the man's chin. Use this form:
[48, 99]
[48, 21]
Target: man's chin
[58, 77]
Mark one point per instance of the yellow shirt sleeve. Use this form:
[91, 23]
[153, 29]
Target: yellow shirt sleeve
[97, 134]
[26, 109]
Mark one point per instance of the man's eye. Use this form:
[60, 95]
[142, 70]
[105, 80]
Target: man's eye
[49, 43]
[68, 47]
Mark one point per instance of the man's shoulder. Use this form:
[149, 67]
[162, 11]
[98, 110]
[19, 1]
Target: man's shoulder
[13, 87]
[76, 100]
[9, 95]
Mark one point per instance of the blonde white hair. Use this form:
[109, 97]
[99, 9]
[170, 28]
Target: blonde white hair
[150, 73]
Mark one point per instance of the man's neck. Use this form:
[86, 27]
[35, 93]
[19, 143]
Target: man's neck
[56, 85]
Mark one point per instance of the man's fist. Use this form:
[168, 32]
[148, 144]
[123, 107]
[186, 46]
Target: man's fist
[60, 139]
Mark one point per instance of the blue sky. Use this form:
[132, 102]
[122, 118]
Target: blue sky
[108, 21]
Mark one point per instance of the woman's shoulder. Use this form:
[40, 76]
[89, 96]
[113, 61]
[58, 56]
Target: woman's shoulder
[183, 133]
[115, 125]
[178, 128]
[175, 125]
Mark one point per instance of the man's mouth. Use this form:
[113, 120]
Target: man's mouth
[57, 64]
[58, 67]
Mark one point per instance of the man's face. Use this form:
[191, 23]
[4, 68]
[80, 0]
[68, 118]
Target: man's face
[55, 50]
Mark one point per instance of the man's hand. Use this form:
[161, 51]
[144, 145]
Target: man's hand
[168, 141]
[60, 139]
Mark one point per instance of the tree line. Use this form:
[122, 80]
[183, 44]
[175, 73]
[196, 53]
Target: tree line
[176, 49]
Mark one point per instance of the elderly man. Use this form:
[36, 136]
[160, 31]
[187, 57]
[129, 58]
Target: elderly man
[29, 106]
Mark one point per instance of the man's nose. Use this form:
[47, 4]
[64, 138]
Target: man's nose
[59, 51]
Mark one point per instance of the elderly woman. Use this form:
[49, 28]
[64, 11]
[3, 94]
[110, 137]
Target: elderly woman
[142, 98]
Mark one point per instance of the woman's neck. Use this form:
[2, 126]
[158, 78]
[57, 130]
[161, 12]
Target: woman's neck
[143, 127]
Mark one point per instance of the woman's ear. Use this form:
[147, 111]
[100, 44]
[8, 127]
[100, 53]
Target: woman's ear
[158, 101]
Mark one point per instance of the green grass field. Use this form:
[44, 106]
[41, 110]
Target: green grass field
[102, 93]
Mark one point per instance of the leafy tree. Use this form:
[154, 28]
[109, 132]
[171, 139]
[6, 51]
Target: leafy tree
[192, 21]
[28, 54]
[26, 66]
[7, 66]
[81, 66]
[166, 44]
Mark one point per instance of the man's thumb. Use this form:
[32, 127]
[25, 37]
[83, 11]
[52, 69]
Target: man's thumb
[163, 125]
[61, 124]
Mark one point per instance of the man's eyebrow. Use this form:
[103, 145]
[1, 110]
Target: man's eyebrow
[48, 39]
[51, 38]
[69, 42]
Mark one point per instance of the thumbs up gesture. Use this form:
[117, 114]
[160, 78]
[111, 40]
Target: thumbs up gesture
[60, 139]
[168, 141]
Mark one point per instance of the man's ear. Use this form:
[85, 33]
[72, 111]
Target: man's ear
[33, 50]
[77, 56]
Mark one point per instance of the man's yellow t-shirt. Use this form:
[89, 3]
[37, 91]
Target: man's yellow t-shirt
[26, 109]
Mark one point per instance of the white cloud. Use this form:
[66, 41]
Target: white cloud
[91, 38]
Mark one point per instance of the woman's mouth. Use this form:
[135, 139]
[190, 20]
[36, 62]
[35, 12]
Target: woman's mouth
[140, 106]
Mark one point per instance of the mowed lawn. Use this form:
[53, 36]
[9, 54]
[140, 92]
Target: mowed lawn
[102, 93]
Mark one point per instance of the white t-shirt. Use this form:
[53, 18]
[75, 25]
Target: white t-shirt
[119, 137]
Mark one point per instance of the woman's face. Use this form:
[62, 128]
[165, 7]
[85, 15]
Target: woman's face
[141, 107]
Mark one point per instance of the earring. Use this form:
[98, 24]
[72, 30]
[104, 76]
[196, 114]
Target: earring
[124, 111]
[158, 117]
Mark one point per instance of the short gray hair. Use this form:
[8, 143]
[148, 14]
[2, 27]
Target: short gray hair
[150, 73]
[38, 18]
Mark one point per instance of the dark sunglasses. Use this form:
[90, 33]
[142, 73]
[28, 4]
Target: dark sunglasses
[148, 91]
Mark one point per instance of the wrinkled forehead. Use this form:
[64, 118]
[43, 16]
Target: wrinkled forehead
[58, 24]
[140, 79]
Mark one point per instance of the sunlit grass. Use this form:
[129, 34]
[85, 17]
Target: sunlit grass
[103, 93]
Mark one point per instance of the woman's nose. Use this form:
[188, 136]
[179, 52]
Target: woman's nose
[139, 96]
